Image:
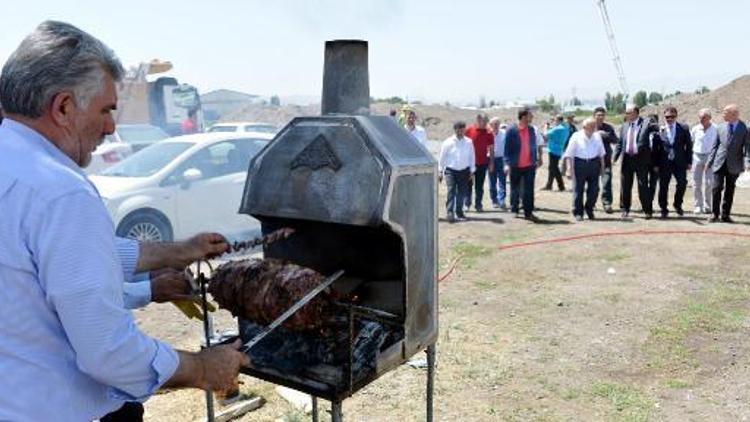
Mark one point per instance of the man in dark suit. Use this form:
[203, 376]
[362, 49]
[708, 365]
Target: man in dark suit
[609, 138]
[726, 161]
[635, 148]
[521, 162]
[675, 158]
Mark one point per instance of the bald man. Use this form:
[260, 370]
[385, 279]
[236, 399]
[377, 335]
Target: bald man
[726, 161]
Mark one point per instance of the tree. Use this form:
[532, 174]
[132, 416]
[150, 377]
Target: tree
[640, 99]
[614, 103]
[492, 103]
[655, 98]
[702, 90]
[576, 102]
[482, 102]
[275, 101]
[547, 105]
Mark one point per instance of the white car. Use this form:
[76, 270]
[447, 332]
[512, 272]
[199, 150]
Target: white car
[110, 152]
[244, 127]
[182, 186]
[122, 143]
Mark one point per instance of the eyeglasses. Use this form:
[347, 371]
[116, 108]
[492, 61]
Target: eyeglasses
[669, 117]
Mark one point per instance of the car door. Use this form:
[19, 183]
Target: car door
[211, 203]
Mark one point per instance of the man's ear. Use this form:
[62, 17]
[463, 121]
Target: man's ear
[62, 108]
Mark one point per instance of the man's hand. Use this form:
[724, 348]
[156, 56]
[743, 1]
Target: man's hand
[214, 369]
[539, 163]
[491, 168]
[157, 255]
[440, 177]
[506, 170]
[168, 285]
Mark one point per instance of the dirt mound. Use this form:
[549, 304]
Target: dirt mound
[688, 105]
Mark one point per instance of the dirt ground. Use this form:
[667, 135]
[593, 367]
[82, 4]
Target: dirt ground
[647, 327]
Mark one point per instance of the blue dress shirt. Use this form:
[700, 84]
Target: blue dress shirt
[137, 288]
[69, 350]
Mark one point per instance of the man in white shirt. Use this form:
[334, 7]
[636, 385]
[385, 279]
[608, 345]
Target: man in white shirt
[457, 164]
[704, 134]
[585, 157]
[417, 132]
[498, 179]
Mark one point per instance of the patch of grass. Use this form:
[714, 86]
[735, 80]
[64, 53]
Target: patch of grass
[677, 384]
[710, 311]
[484, 284]
[470, 253]
[629, 403]
[612, 297]
[615, 256]
[571, 394]
[294, 416]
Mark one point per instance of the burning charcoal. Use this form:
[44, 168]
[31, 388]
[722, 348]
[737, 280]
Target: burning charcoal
[261, 290]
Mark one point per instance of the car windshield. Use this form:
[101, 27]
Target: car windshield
[261, 128]
[149, 160]
[223, 129]
[133, 134]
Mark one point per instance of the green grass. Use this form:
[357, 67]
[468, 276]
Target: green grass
[629, 404]
[470, 253]
[718, 309]
[677, 384]
[571, 394]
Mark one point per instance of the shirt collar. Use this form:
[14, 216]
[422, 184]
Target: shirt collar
[38, 141]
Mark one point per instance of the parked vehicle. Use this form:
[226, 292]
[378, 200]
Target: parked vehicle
[244, 127]
[139, 136]
[110, 152]
[182, 186]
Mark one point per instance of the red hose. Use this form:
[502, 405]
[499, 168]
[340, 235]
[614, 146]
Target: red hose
[641, 232]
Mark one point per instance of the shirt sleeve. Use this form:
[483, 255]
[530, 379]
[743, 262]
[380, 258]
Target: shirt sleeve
[128, 251]
[82, 278]
[472, 158]
[569, 150]
[136, 294]
[443, 153]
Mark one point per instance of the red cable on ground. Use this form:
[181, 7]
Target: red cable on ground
[621, 233]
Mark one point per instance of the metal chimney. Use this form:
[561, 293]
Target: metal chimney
[346, 81]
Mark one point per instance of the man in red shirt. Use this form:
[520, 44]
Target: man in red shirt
[521, 162]
[483, 139]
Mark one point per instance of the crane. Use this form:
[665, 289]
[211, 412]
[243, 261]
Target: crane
[613, 47]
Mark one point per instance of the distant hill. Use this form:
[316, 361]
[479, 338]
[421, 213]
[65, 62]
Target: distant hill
[222, 102]
[688, 105]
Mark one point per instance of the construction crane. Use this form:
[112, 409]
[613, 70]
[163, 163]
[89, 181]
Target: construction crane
[613, 47]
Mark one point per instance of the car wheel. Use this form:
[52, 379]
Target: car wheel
[145, 227]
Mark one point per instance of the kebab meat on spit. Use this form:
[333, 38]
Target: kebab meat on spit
[260, 290]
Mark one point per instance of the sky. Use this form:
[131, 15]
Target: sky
[427, 50]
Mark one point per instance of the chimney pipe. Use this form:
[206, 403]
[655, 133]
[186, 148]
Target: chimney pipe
[346, 81]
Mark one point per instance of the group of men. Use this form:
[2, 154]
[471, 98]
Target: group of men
[652, 155]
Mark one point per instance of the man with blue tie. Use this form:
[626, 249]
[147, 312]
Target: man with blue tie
[726, 161]
[674, 159]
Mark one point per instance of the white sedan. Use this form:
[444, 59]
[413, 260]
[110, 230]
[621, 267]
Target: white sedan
[182, 186]
[243, 127]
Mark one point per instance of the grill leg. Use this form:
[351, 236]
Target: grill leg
[430, 379]
[314, 409]
[336, 413]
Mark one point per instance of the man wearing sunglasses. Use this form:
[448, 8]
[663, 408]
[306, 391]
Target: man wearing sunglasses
[674, 157]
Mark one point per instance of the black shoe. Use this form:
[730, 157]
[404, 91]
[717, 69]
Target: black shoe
[649, 216]
[578, 218]
[625, 214]
[531, 217]
[664, 214]
[461, 218]
[517, 214]
[590, 215]
[478, 209]
[547, 188]
[561, 188]
[726, 219]
[679, 211]
[713, 219]
[608, 209]
[451, 218]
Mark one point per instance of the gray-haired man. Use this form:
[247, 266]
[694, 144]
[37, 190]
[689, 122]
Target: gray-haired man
[66, 338]
[704, 134]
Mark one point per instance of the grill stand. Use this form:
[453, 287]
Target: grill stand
[336, 408]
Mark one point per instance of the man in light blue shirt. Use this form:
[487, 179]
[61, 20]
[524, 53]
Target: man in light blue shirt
[70, 350]
[557, 136]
